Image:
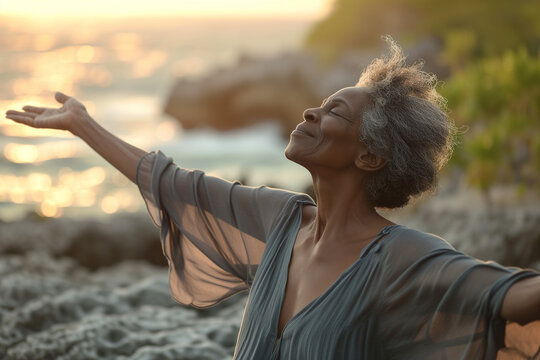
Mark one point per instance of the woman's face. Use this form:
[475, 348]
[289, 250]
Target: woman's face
[329, 135]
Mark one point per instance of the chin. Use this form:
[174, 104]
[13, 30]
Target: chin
[290, 152]
[293, 155]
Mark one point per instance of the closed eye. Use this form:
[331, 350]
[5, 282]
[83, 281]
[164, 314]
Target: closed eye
[336, 114]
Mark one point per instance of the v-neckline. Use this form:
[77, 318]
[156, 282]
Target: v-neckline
[328, 290]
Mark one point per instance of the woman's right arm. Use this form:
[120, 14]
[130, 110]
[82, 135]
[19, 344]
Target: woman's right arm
[73, 117]
[213, 231]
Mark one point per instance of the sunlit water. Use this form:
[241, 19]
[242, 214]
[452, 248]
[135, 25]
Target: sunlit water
[122, 71]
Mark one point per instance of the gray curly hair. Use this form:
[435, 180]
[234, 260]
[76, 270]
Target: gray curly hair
[407, 125]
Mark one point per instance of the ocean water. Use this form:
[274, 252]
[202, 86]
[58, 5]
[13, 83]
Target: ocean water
[122, 70]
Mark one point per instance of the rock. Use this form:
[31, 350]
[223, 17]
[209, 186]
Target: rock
[119, 312]
[269, 89]
[507, 232]
[56, 304]
[535, 266]
[511, 238]
[90, 242]
[256, 90]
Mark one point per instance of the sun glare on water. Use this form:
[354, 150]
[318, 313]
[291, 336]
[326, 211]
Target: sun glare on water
[100, 53]
[29, 153]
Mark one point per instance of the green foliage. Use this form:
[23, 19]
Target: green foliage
[497, 101]
[468, 29]
[491, 46]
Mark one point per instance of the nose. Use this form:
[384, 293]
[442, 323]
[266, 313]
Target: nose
[310, 115]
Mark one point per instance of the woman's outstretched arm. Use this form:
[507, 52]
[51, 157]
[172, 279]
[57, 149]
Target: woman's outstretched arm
[73, 117]
[522, 301]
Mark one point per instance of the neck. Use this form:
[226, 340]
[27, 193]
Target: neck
[344, 212]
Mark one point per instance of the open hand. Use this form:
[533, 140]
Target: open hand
[63, 118]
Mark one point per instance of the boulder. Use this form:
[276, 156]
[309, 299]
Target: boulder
[257, 90]
[278, 88]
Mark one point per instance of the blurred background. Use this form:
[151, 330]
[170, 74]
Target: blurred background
[218, 86]
[122, 62]
[149, 72]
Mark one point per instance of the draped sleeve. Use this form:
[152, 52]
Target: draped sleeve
[437, 303]
[213, 231]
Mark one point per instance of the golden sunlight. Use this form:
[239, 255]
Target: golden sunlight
[28, 153]
[49, 209]
[85, 198]
[216, 8]
[85, 54]
[110, 204]
[18, 153]
[43, 42]
[166, 130]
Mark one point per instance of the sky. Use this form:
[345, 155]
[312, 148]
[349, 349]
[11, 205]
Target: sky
[236, 8]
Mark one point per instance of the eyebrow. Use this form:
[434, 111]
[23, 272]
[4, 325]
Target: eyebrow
[339, 100]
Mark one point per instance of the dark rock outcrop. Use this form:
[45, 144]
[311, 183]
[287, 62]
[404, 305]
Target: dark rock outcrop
[271, 89]
[91, 243]
[256, 90]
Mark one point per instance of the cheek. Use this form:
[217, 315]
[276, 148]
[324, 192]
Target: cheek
[338, 136]
[336, 130]
[341, 146]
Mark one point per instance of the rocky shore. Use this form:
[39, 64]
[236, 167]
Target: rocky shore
[88, 289]
[98, 289]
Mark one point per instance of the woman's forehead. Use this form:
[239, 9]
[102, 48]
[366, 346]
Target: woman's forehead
[357, 98]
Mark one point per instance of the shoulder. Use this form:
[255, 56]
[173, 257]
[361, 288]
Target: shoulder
[278, 193]
[406, 245]
[284, 206]
[405, 237]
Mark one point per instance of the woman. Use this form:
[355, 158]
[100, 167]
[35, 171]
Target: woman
[331, 279]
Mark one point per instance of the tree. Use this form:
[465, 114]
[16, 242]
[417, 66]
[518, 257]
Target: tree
[469, 29]
[498, 101]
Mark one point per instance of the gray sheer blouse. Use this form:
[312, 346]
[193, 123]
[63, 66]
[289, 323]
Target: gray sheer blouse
[409, 295]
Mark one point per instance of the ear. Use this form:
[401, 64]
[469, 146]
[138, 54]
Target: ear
[368, 161]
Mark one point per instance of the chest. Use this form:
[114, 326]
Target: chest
[311, 274]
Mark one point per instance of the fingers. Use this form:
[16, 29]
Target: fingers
[20, 113]
[61, 97]
[34, 109]
[23, 118]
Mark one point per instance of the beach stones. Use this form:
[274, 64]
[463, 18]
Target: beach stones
[56, 304]
[118, 312]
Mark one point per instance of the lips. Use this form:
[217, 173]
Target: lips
[301, 130]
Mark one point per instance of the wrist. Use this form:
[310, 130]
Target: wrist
[81, 125]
